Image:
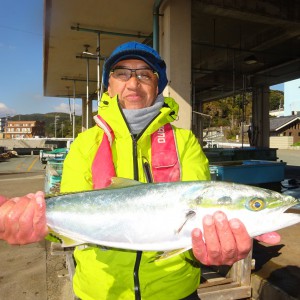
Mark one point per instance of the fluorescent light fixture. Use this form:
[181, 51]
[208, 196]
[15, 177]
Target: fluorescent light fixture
[251, 60]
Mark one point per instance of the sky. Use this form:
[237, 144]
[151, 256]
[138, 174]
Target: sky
[21, 61]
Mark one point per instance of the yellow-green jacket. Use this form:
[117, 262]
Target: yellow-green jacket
[116, 273]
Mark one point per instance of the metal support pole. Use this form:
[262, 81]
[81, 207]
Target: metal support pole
[74, 96]
[55, 122]
[98, 68]
[108, 32]
[156, 7]
[87, 92]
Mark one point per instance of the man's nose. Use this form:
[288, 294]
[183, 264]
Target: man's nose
[133, 80]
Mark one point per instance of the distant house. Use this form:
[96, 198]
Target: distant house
[286, 126]
[2, 128]
[2, 124]
[24, 129]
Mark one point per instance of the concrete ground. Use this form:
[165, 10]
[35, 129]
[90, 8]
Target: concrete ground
[31, 272]
[291, 157]
[277, 272]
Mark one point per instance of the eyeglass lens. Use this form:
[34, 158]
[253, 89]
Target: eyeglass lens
[124, 74]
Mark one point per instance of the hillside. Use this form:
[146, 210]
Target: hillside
[63, 123]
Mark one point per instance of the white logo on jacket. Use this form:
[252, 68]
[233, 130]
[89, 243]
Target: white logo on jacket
[161, 135]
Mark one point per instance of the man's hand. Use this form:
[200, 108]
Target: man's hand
[23, 219]
[271, 238]
[225, 241]
[2, 199]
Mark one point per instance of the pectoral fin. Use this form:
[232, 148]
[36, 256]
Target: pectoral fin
[65, 241]
[189, 215]
[171, 253]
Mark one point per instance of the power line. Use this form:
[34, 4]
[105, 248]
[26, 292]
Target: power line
[20, 30]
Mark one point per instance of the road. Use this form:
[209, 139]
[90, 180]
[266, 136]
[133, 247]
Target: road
[21, 175]
[291, 157]
[29, 272]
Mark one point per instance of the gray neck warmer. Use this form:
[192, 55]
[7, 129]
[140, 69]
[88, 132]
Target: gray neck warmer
[138, 119]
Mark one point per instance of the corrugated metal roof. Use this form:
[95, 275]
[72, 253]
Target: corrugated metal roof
[280, 122]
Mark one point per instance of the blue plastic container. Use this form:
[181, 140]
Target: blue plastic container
[53, 174]
[249, 171]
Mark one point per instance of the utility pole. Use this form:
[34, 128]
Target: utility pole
[56, 118]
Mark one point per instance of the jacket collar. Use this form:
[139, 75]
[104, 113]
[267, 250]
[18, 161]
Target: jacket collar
[110, 110]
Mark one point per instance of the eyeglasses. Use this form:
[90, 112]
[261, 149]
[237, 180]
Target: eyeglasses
[144, 75]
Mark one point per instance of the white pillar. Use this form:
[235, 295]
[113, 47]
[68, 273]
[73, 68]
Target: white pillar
[175, 48]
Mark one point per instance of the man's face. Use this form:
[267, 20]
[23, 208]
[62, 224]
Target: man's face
[133, 93]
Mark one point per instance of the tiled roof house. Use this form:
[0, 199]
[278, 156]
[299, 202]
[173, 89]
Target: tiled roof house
[286, 126]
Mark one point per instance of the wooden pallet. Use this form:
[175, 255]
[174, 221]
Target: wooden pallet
[219, 283]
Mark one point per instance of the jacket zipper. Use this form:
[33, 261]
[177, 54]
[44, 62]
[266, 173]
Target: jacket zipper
[147, 170]
[136, 280]
[146, 166]
[137, 288]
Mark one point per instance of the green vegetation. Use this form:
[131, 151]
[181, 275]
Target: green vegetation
[276, 100]
[64, 126]
[232, 112]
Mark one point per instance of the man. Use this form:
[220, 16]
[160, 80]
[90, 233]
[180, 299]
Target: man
[133, 138]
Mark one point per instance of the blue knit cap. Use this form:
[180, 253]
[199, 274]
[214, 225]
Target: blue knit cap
[135, 50]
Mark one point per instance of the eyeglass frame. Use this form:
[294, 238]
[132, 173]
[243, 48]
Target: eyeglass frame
[133, 71]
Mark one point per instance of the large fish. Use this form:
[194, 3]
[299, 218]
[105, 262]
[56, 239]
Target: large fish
[161, 216]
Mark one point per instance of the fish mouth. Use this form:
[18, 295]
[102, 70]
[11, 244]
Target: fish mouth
[295, 209]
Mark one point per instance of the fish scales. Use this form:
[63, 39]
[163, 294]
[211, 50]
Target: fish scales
[161, 216]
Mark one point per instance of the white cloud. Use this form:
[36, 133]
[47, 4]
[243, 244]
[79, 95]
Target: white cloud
[4, 110]
[38, 97]
[64, 107]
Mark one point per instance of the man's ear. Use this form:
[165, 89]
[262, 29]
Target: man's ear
[108, 91]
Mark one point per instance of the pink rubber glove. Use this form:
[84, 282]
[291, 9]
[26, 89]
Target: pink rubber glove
[226, 242]
[23, 219]
[271, 238]
[2, 199]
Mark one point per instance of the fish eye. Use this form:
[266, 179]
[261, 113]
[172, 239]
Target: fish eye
[256, 204]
